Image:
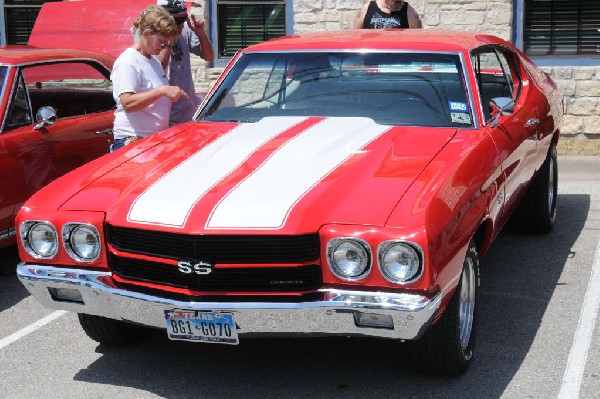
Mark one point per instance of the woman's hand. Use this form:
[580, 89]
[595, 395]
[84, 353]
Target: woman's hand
[174, 93]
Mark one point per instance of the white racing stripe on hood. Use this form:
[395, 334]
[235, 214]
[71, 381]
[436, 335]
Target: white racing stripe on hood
[171, 198]
[265, 198]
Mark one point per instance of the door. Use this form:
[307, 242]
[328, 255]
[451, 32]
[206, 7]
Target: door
[499, 74]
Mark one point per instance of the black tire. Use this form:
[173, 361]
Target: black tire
[536, 212]
[447, 347]
[108, 331]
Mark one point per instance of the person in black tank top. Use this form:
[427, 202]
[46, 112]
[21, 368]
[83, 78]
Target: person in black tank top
[383, 14]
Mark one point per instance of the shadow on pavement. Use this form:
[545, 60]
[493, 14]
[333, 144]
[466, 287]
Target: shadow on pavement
[11, 290]
[519, 276]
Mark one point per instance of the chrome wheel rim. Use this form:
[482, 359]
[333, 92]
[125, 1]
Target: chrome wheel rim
[467, 303]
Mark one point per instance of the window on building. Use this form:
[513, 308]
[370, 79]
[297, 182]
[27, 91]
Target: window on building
[561, 28]
[19, 17]
[243, 23]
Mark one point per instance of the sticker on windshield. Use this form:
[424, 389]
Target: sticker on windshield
[458, 106]
[460, 117]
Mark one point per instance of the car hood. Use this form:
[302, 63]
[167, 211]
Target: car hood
[281, 174]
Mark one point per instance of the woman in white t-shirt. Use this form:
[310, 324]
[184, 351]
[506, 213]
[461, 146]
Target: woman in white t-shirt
[140, 86]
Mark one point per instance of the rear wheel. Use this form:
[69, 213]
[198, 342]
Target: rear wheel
[108, 331]
[447, 347]
[536, 212]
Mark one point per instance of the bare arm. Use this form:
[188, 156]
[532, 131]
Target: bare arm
[164, 57]
[414, 22]
[137, 101]
[360, 17]
[198, 27]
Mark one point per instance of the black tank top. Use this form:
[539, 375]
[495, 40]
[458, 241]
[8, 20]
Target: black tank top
[377, 19]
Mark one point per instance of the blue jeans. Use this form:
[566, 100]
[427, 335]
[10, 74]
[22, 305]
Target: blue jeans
[117, 143]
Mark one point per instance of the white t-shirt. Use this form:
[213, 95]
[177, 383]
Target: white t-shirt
[134, 73]
[180, 74]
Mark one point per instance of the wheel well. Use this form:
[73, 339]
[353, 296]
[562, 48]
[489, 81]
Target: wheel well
[483, 238]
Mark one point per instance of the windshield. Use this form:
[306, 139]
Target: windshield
[414, 89]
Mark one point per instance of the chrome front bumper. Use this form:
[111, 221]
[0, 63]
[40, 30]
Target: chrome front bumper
[336, 314]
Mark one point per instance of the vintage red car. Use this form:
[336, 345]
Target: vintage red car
[341, 184]
[58, 80]
[56, 113]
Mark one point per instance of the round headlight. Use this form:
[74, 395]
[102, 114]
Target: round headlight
[40, 239]
[399, 262]
[349, 258]
[82, 242]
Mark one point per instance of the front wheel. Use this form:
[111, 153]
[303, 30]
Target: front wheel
[108, 331]
[446, 349]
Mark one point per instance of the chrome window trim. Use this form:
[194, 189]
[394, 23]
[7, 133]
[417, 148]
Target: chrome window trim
[460, 54]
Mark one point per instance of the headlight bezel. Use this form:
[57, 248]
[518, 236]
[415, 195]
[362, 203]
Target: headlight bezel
[25, 230]
[335, 243]
[68, 230]
[382, 249]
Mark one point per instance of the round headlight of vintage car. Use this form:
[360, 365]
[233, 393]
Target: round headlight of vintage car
[82, 241]
[349, 258]
[40, 239]
[399, 262]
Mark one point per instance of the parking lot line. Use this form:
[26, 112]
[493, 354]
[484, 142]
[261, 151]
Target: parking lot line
[571, 383]
[31, 328]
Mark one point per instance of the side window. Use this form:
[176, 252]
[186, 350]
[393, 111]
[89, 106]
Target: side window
[511, 72]
[493, 78]
[19, 111]
[72, 88]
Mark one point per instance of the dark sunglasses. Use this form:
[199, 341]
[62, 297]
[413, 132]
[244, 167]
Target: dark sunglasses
[180, 20]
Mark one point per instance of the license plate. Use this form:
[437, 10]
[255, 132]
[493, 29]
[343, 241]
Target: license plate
[193, 325]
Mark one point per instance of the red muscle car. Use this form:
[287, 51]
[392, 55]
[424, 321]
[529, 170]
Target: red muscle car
[342, 184]
[56, 113]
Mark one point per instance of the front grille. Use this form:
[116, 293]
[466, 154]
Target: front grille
[279, 298]
[269, 279]
[217, 249]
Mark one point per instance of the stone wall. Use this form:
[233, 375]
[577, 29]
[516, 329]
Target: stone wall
[579, 85]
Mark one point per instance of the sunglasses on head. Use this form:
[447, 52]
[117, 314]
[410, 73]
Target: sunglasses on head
[180, 20]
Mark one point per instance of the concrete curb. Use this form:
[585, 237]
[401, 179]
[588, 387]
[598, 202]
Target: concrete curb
[579, 168]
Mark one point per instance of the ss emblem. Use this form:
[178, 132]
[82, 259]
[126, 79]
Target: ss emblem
[189, 267]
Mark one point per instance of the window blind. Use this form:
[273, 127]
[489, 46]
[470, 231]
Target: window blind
[562, 27]
[243, 24]
[19, 18]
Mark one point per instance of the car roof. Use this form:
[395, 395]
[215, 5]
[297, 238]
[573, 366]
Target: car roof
[386, 39]
[24, 54]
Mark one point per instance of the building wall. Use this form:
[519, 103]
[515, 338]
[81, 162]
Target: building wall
[579, 85]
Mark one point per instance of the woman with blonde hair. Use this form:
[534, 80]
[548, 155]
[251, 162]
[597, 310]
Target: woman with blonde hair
[140, 87]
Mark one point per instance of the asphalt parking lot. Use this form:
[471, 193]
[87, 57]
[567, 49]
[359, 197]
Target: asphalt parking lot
[538, 335]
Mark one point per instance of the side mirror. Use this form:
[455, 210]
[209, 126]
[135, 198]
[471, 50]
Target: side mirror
[501, 106]
[46, 116]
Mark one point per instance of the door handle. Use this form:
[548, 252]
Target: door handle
[532, 122]
[106, 131]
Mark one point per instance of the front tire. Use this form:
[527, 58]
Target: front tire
[536, 212]
[108, 331]
[446, 349]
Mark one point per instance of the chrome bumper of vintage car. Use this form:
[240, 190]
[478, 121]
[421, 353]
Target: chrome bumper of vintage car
[340, 312]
